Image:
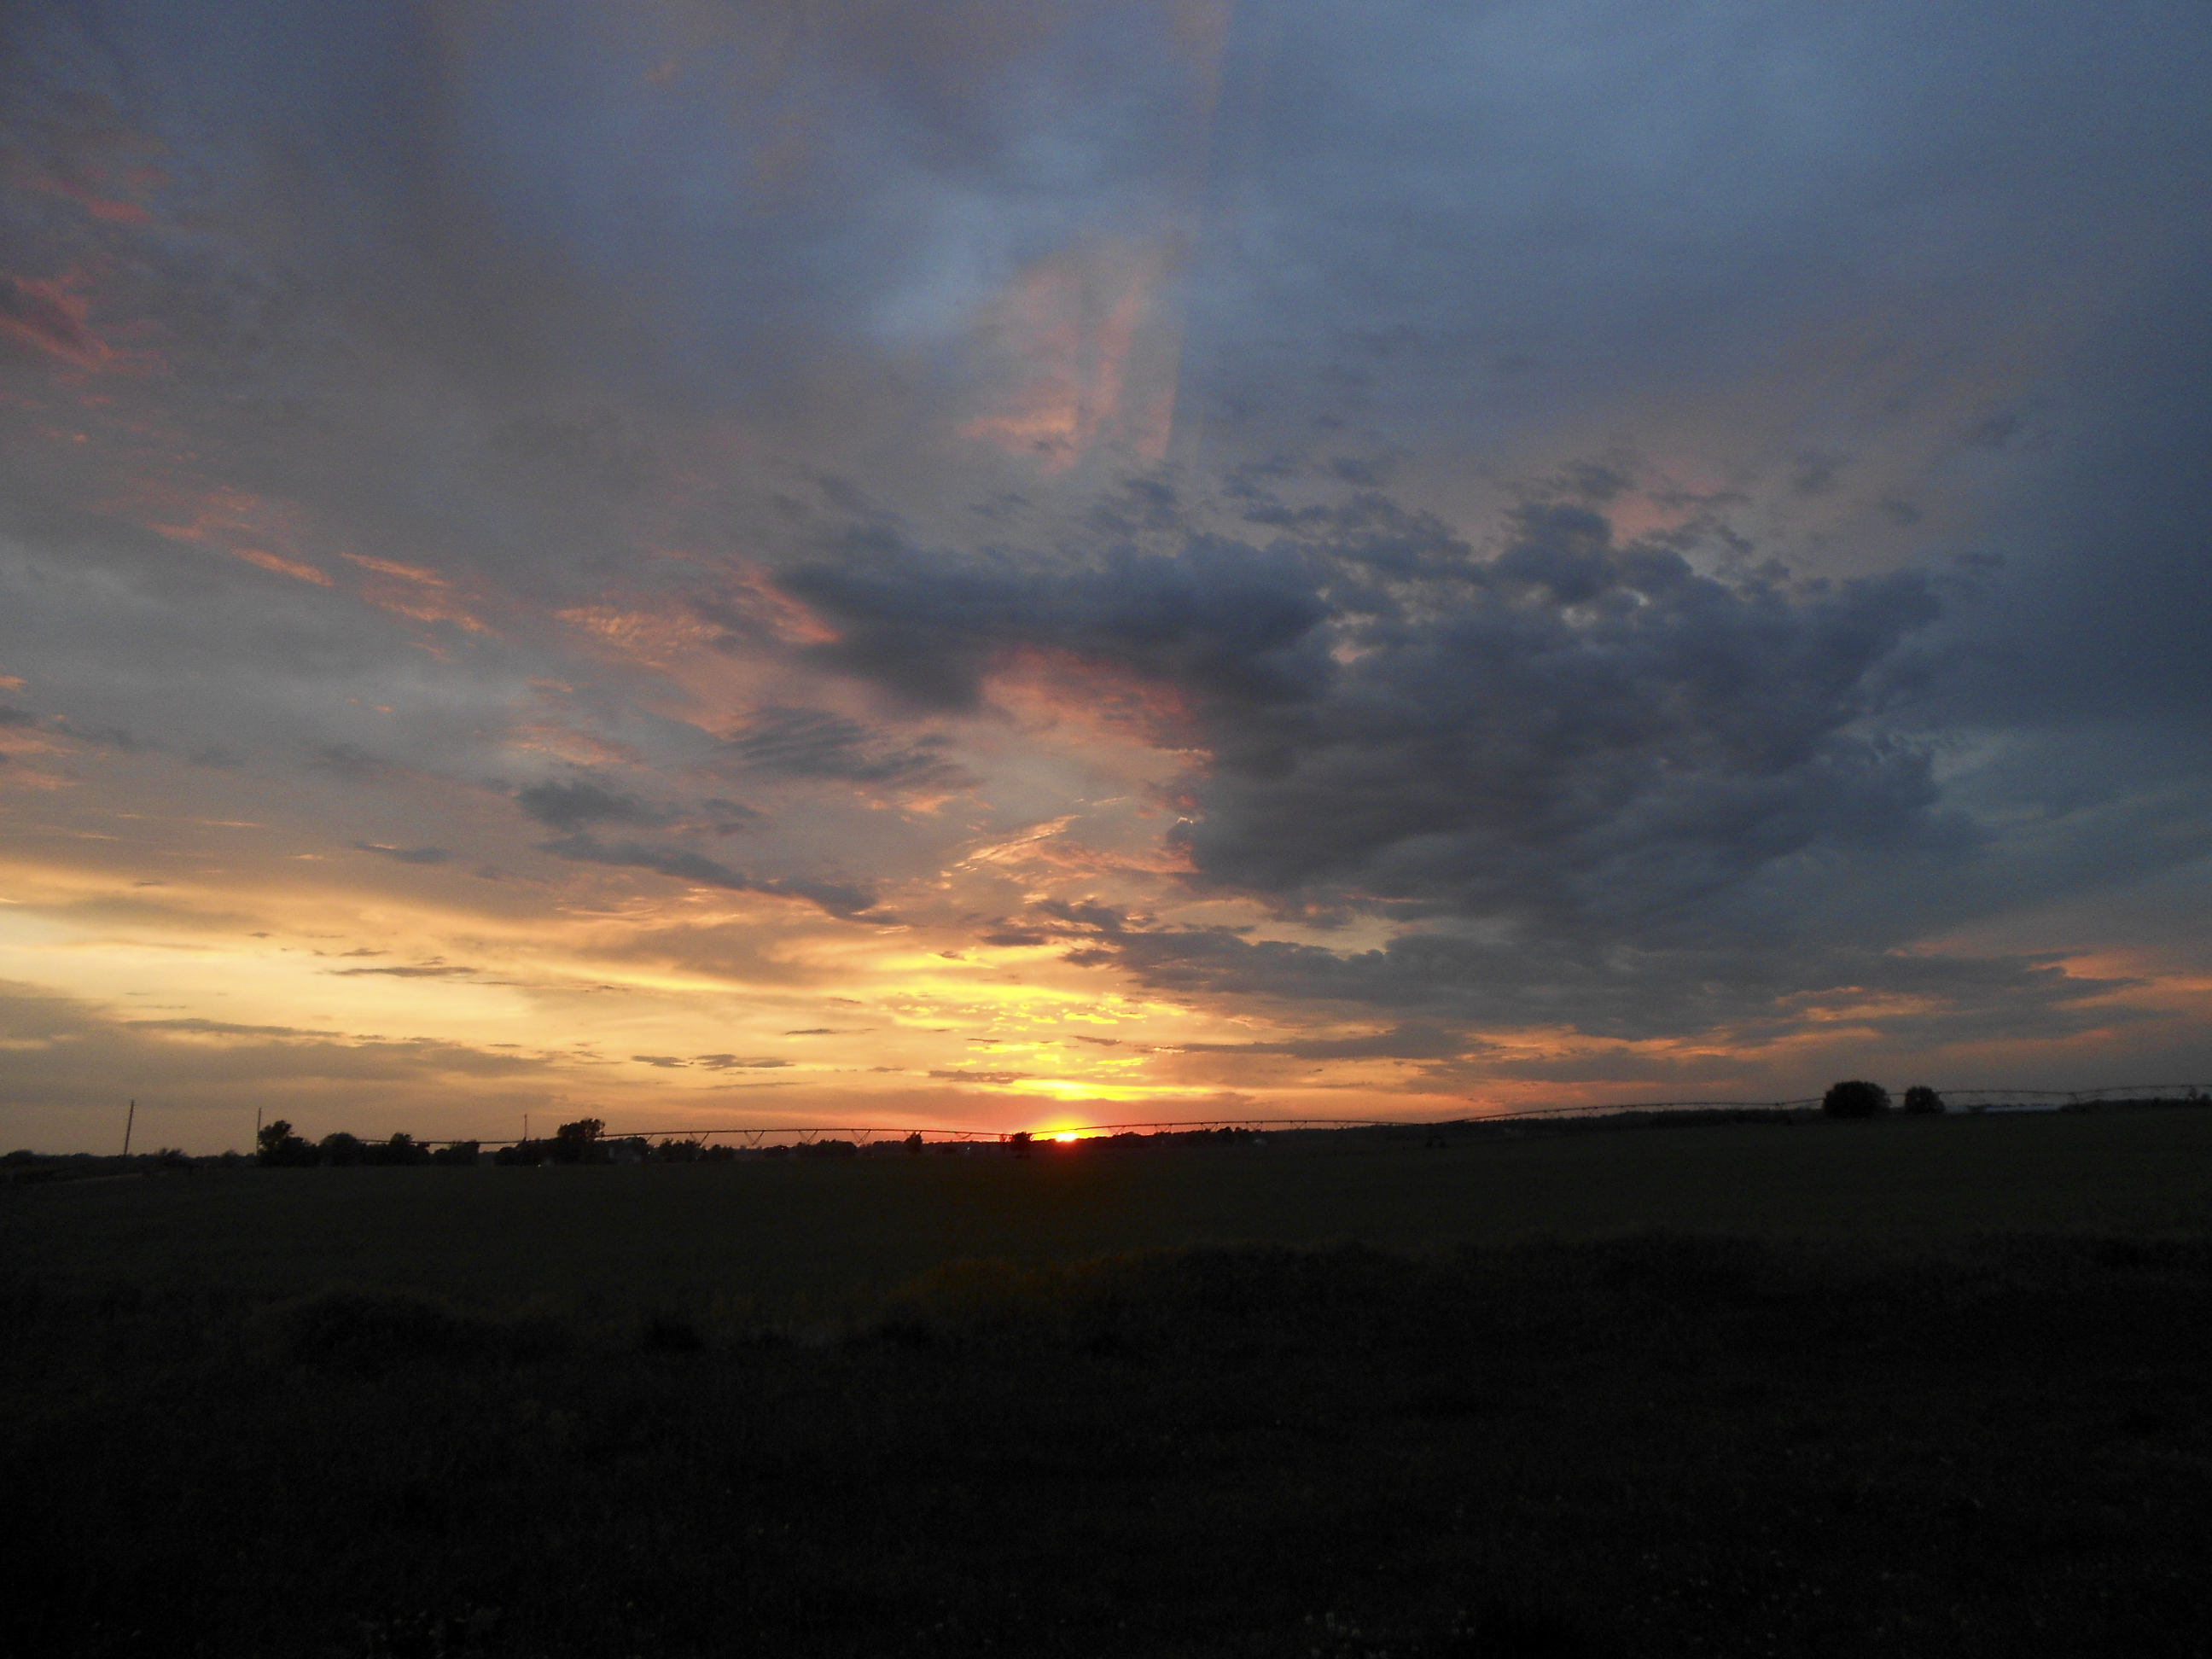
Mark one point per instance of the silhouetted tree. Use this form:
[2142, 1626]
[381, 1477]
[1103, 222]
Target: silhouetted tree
[1021, 1141]
[460, 1154]
[528, 1152]
[678, 1152]
[1855, 1098]
[401, 1149]
[913, 1143]
[279, 1147]
[579, 1142]
[1922, 1101]
[339, 1149]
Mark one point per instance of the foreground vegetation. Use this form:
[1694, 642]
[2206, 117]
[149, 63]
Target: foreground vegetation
[1020, 1411]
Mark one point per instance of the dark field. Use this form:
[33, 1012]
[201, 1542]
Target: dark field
[1920, 1387]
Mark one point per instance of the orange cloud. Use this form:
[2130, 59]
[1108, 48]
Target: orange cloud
[1070, 336]
[283, 566]
[1115, 704]
[53, 317]
[225, 518]
[413, 573]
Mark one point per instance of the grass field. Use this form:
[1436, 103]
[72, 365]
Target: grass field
[773, 1241]
[1905, 1386]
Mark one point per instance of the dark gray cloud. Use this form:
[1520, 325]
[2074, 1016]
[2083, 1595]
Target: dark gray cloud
[1562, 735]
[812, 743]
[837, 898]
[569, 806]
[1739, 993]
[1408, 1041]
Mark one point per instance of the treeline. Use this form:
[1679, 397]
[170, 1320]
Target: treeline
[583, 1141]
[1857, 1097]
[280, 1148]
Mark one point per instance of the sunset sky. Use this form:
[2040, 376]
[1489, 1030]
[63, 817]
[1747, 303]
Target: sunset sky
[1012, 563]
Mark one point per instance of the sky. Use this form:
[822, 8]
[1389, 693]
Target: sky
[1015, 563]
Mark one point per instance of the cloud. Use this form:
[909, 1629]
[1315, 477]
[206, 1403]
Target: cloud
[1569, 734]
[1724, 990]
[837, 899]
[812, 743]
[1408, 1041]
[572, 806]
[224, 1028]
[352, 764]
[48, 316]
[404, 855]
[67, 1057]
[419, 970]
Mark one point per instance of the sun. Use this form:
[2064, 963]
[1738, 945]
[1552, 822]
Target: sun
[1065, 1136]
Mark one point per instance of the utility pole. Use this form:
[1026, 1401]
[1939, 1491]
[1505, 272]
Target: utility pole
[127, 1123]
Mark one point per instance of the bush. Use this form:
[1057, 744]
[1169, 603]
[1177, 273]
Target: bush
[1922, 1101]
[370, 1333]
[1855, 1098]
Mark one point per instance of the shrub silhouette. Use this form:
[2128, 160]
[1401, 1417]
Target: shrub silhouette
[1922, 1101]
[459, 1153]
[530, 1152]
[370, 1332]
[1855, 1098]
